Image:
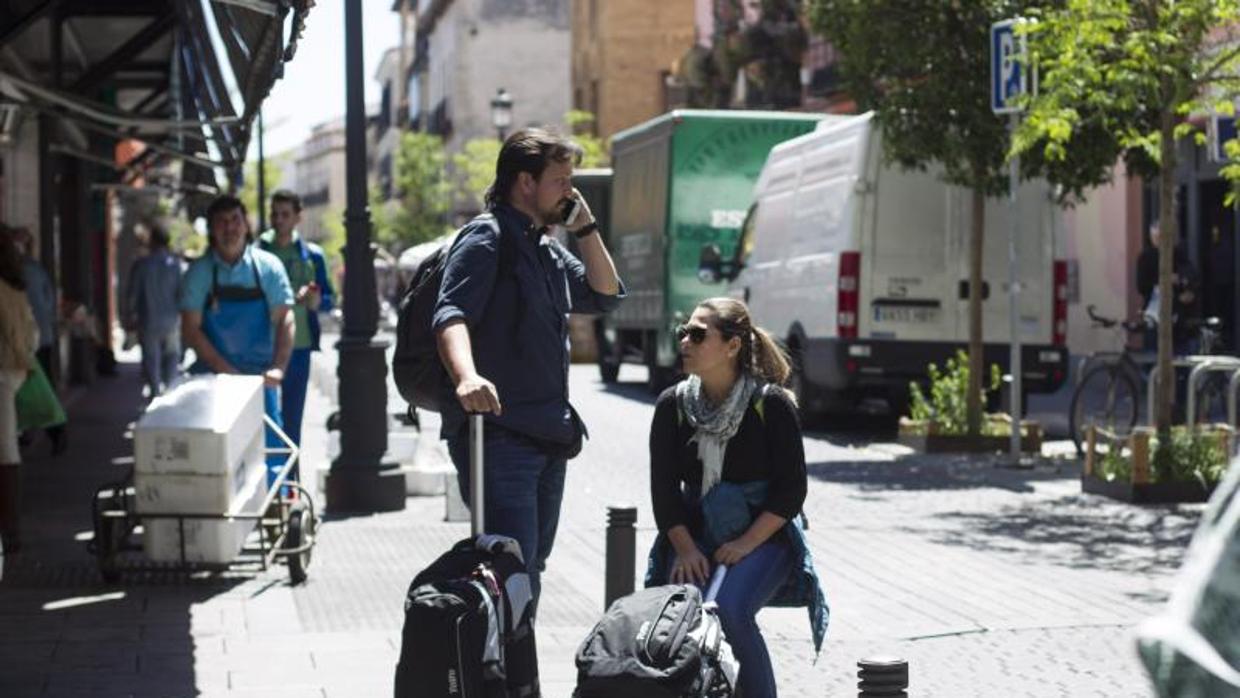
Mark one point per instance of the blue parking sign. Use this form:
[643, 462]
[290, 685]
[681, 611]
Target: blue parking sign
[1010, 73]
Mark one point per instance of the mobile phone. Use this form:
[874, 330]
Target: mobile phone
[569, 208]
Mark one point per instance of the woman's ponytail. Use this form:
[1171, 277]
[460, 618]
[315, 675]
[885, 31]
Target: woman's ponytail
[770, 361]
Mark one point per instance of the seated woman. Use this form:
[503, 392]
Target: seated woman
[727, 476]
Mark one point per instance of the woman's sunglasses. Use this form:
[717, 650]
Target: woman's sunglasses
[695, 333]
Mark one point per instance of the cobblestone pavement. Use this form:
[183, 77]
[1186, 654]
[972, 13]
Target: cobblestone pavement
[990, 581]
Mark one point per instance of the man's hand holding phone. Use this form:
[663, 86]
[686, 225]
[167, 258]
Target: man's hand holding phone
[576, 212]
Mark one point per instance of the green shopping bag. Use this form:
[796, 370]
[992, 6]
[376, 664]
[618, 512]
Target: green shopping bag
[37, 404]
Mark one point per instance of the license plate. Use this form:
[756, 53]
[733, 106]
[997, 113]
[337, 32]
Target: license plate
[906, 314]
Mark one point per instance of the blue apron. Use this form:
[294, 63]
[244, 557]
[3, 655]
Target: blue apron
[237, 322]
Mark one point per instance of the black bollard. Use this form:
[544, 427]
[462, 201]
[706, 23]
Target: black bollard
[621, 553]
[882, 677]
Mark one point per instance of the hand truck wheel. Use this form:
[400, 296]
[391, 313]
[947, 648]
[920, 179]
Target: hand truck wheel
[299, 532]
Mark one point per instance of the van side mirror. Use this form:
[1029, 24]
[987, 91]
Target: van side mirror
[712, 268]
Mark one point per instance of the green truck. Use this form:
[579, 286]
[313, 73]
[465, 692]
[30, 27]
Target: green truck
[681, 182]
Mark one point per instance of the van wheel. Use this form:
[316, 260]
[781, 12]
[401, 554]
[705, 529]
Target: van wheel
[796, 381]
[609, 371]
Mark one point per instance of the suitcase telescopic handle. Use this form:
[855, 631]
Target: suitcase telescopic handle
[477, 522]
[716, 581]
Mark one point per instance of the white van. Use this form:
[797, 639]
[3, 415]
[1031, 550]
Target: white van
[862, 269]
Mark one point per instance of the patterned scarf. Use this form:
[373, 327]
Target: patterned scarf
[714, 425]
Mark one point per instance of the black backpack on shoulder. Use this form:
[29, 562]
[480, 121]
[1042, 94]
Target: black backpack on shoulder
[419, 374]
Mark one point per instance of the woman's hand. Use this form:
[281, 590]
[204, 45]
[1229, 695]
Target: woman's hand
[690, 566]
[734, 551]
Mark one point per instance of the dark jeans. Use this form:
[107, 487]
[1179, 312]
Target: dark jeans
[748, 586]
[524, 487]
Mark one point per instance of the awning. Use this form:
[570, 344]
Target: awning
[185, 76]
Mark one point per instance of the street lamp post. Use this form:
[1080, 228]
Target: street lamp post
[501, 112]
[359, 480]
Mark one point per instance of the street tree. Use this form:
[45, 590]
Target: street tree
[924, 69]
[272, 171]
[1125, 76]
[422, 194]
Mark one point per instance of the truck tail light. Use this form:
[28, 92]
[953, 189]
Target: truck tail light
[1059, 317]
[848, 302]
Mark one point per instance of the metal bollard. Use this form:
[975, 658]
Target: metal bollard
[882, 677]
[621, 553]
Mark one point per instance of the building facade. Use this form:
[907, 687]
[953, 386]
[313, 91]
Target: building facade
[624, 53]
[320, 177]
[466, 50]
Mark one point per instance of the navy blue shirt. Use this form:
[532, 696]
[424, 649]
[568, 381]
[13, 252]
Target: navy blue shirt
[517, 314]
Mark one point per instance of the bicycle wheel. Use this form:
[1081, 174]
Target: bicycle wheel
[1108, 398]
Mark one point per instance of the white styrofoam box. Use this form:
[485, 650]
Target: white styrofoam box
[201, 427]
[206, 540]
[177, 493]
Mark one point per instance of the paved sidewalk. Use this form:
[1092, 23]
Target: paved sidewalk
[991, 582]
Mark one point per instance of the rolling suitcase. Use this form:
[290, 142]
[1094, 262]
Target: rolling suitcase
[468, 627]
[661, 642]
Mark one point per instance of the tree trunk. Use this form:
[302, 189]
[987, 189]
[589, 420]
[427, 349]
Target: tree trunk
[1168, 234]
[977, 239]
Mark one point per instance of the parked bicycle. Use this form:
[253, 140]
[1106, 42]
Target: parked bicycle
[1109, 393]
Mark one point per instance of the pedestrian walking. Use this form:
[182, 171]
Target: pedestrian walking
[152, 310]
[306, 266]
[727, 480]
[41, 293]
[19, 334]
[1184, 284]
[235, 310]
[501, 324]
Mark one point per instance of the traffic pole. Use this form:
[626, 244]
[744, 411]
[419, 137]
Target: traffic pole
[1015, 393]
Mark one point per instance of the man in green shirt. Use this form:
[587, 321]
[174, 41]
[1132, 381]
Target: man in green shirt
[307, 272]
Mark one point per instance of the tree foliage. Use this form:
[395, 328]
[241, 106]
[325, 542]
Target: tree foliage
[1125, 76]
[422, 194]
[272, 169]
[924, 69]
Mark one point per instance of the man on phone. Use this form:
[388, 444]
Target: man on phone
[502, 330]
[307, 272]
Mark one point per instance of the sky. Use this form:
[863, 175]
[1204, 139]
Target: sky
[312, 89]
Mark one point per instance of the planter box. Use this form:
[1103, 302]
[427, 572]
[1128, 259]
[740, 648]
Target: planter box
[1146, 493]
[1139, 490]
[924, 438]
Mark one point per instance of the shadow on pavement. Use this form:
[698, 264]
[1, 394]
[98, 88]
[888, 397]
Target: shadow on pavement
[66, 632]
[1076, 531]
[938, 472]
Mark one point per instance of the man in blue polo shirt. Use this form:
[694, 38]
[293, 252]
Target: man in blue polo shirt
[502, 329]
[235, 309]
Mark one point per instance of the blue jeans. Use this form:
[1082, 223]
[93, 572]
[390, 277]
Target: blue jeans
[523, 491]
[293, 392]
[161, 357]
[748, 586]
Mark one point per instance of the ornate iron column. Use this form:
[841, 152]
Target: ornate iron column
[359, 480]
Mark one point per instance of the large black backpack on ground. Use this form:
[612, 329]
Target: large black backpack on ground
[469, 628]
[661, 642]
[419, 374]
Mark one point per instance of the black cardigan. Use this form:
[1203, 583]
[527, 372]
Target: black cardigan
[765, 448]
